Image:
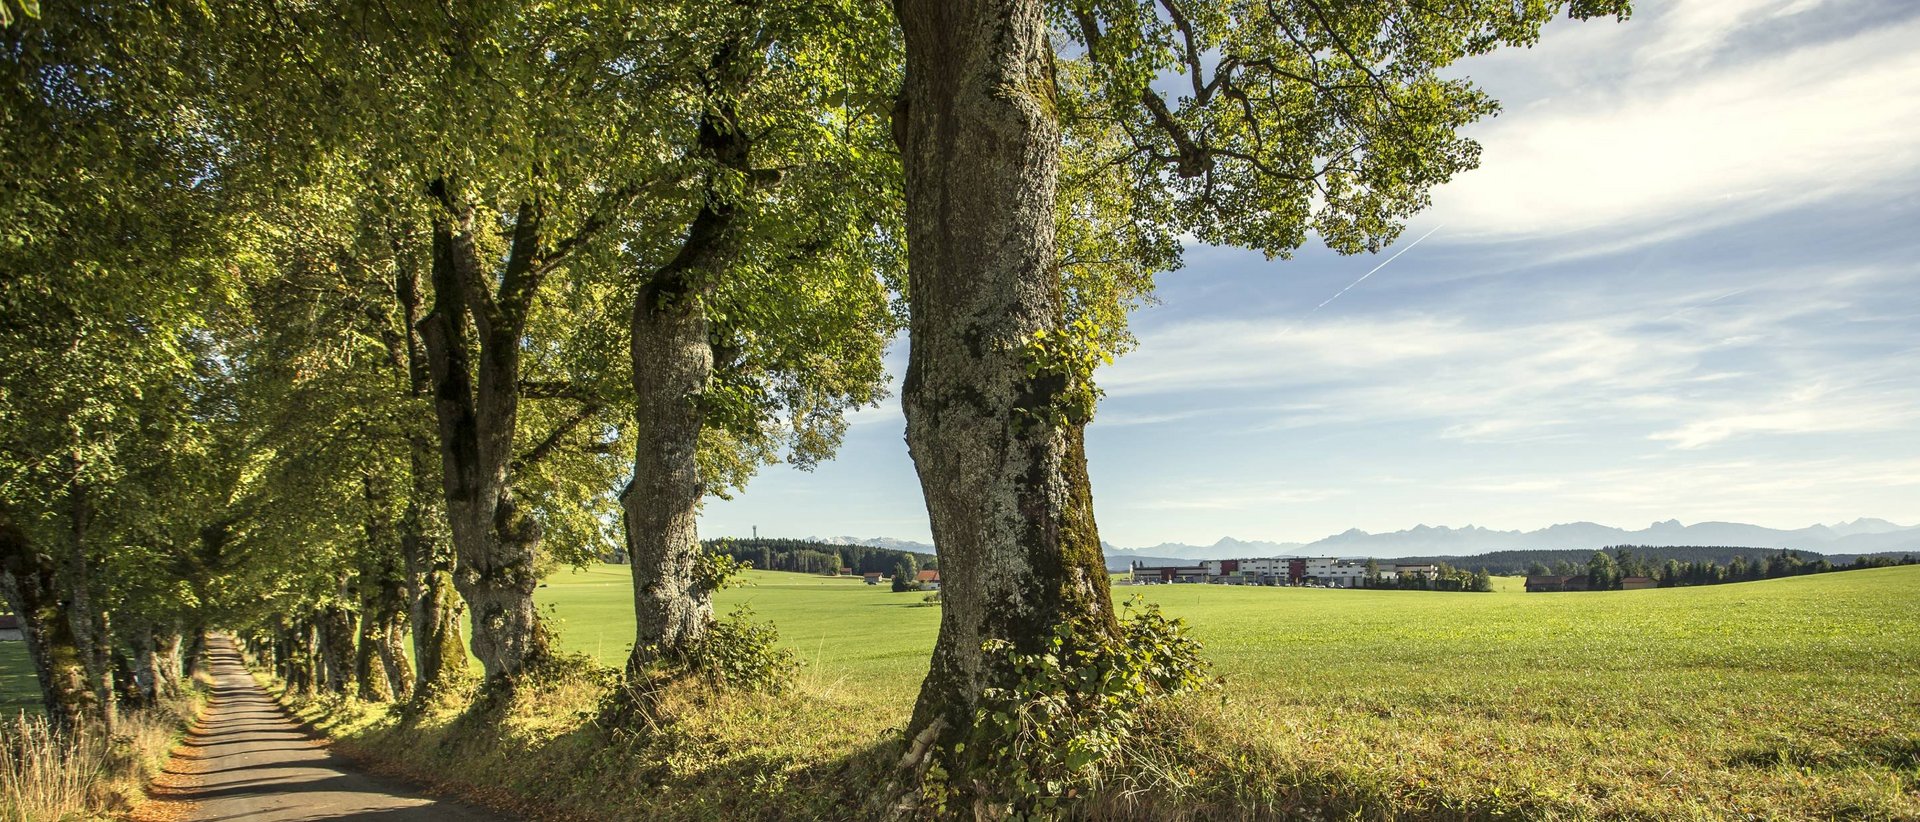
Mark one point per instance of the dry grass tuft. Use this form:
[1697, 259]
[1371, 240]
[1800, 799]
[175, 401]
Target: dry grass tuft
[47, 774]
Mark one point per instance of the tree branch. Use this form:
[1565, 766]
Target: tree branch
[546, 446]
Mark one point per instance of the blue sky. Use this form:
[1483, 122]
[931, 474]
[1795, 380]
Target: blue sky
[1683, 283]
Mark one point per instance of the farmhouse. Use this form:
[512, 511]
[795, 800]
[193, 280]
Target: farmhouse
[1555, 584]
[10, 628]
[1637, 583]
[928, 579]
[872, 577]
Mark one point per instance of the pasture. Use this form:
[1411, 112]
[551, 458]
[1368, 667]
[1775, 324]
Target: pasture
[1786, 698]
[18, 690]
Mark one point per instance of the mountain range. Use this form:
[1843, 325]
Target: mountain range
[1860, 536]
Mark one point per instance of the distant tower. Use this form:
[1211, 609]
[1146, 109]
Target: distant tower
[756, 533]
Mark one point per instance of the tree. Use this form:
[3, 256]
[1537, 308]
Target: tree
[1603, 573]
[110, 253]
[769, 309]
[905, 574]
[1537, 568]
[503, 215]
[1482, 581]
[1303, 117]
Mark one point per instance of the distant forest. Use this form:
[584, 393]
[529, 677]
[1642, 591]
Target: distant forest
[809, 557]
[1514, 563]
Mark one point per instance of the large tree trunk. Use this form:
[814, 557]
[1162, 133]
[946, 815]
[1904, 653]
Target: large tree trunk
[476, 400]
[391, 643]
[368, 670]
[672, 361]
[338, 629]
[27, 581]
[92, 636]
[296, 653]
[1005, 481]
[149, 670]
[439, 652]
[167, 659]
[383, 607]
[195, 655]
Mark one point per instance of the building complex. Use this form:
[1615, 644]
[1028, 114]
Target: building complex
[1331, 572]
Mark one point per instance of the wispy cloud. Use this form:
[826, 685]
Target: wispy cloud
[1686, 369]
[1686, 137]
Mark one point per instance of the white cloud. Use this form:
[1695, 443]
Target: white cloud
[1817, 408]
[1689, 370]
[1684, 143]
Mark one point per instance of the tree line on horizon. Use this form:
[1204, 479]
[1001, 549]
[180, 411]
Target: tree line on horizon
[1605, 569]
[1519, 562]
[810, 557]
[341, 325]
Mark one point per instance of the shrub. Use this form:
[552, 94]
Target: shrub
[1062, 719]
[739, 653]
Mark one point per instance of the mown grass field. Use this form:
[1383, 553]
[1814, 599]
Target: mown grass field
[1787, 699]
[18, 690]
[1792, 698]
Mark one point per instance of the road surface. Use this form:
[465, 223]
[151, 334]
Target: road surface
[247, 760]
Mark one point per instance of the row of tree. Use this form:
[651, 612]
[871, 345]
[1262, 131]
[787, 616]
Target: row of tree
[808, 557]
[1606, 568]
[340, 324]
[1513, 563]
[1445, 577]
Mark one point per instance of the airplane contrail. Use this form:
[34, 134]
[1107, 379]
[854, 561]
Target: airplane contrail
[1363, 277]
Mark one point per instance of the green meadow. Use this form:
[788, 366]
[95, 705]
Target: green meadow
[18, 690]
[1790, 698]
[1796, 698]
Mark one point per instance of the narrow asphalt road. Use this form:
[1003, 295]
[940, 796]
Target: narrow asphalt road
[247, 760]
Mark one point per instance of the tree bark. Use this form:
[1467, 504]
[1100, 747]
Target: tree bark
[368, 670]
[91, 633]
[338, 629]
[168, 659]
[672, 361]
[476, 400]
[27, 581]
[149, 671]
[439, 651]
[196, 649]
[1008, 497]
[382, 675]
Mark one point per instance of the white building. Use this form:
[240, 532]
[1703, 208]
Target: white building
[1327, 571]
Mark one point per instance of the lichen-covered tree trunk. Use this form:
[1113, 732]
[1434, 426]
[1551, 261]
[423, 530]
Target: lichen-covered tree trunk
[338, 630]
[672, 360]
[167, 658]
[1006, 488]
[195, 655]
[27, 581]
[439, 651]
[378, 666]
[390, 642]
[149, 671]
[476, 400]
[92, 638]
[370, 669]
[296, 653]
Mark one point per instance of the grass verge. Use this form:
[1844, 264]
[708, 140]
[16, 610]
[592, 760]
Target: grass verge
[46, 775]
